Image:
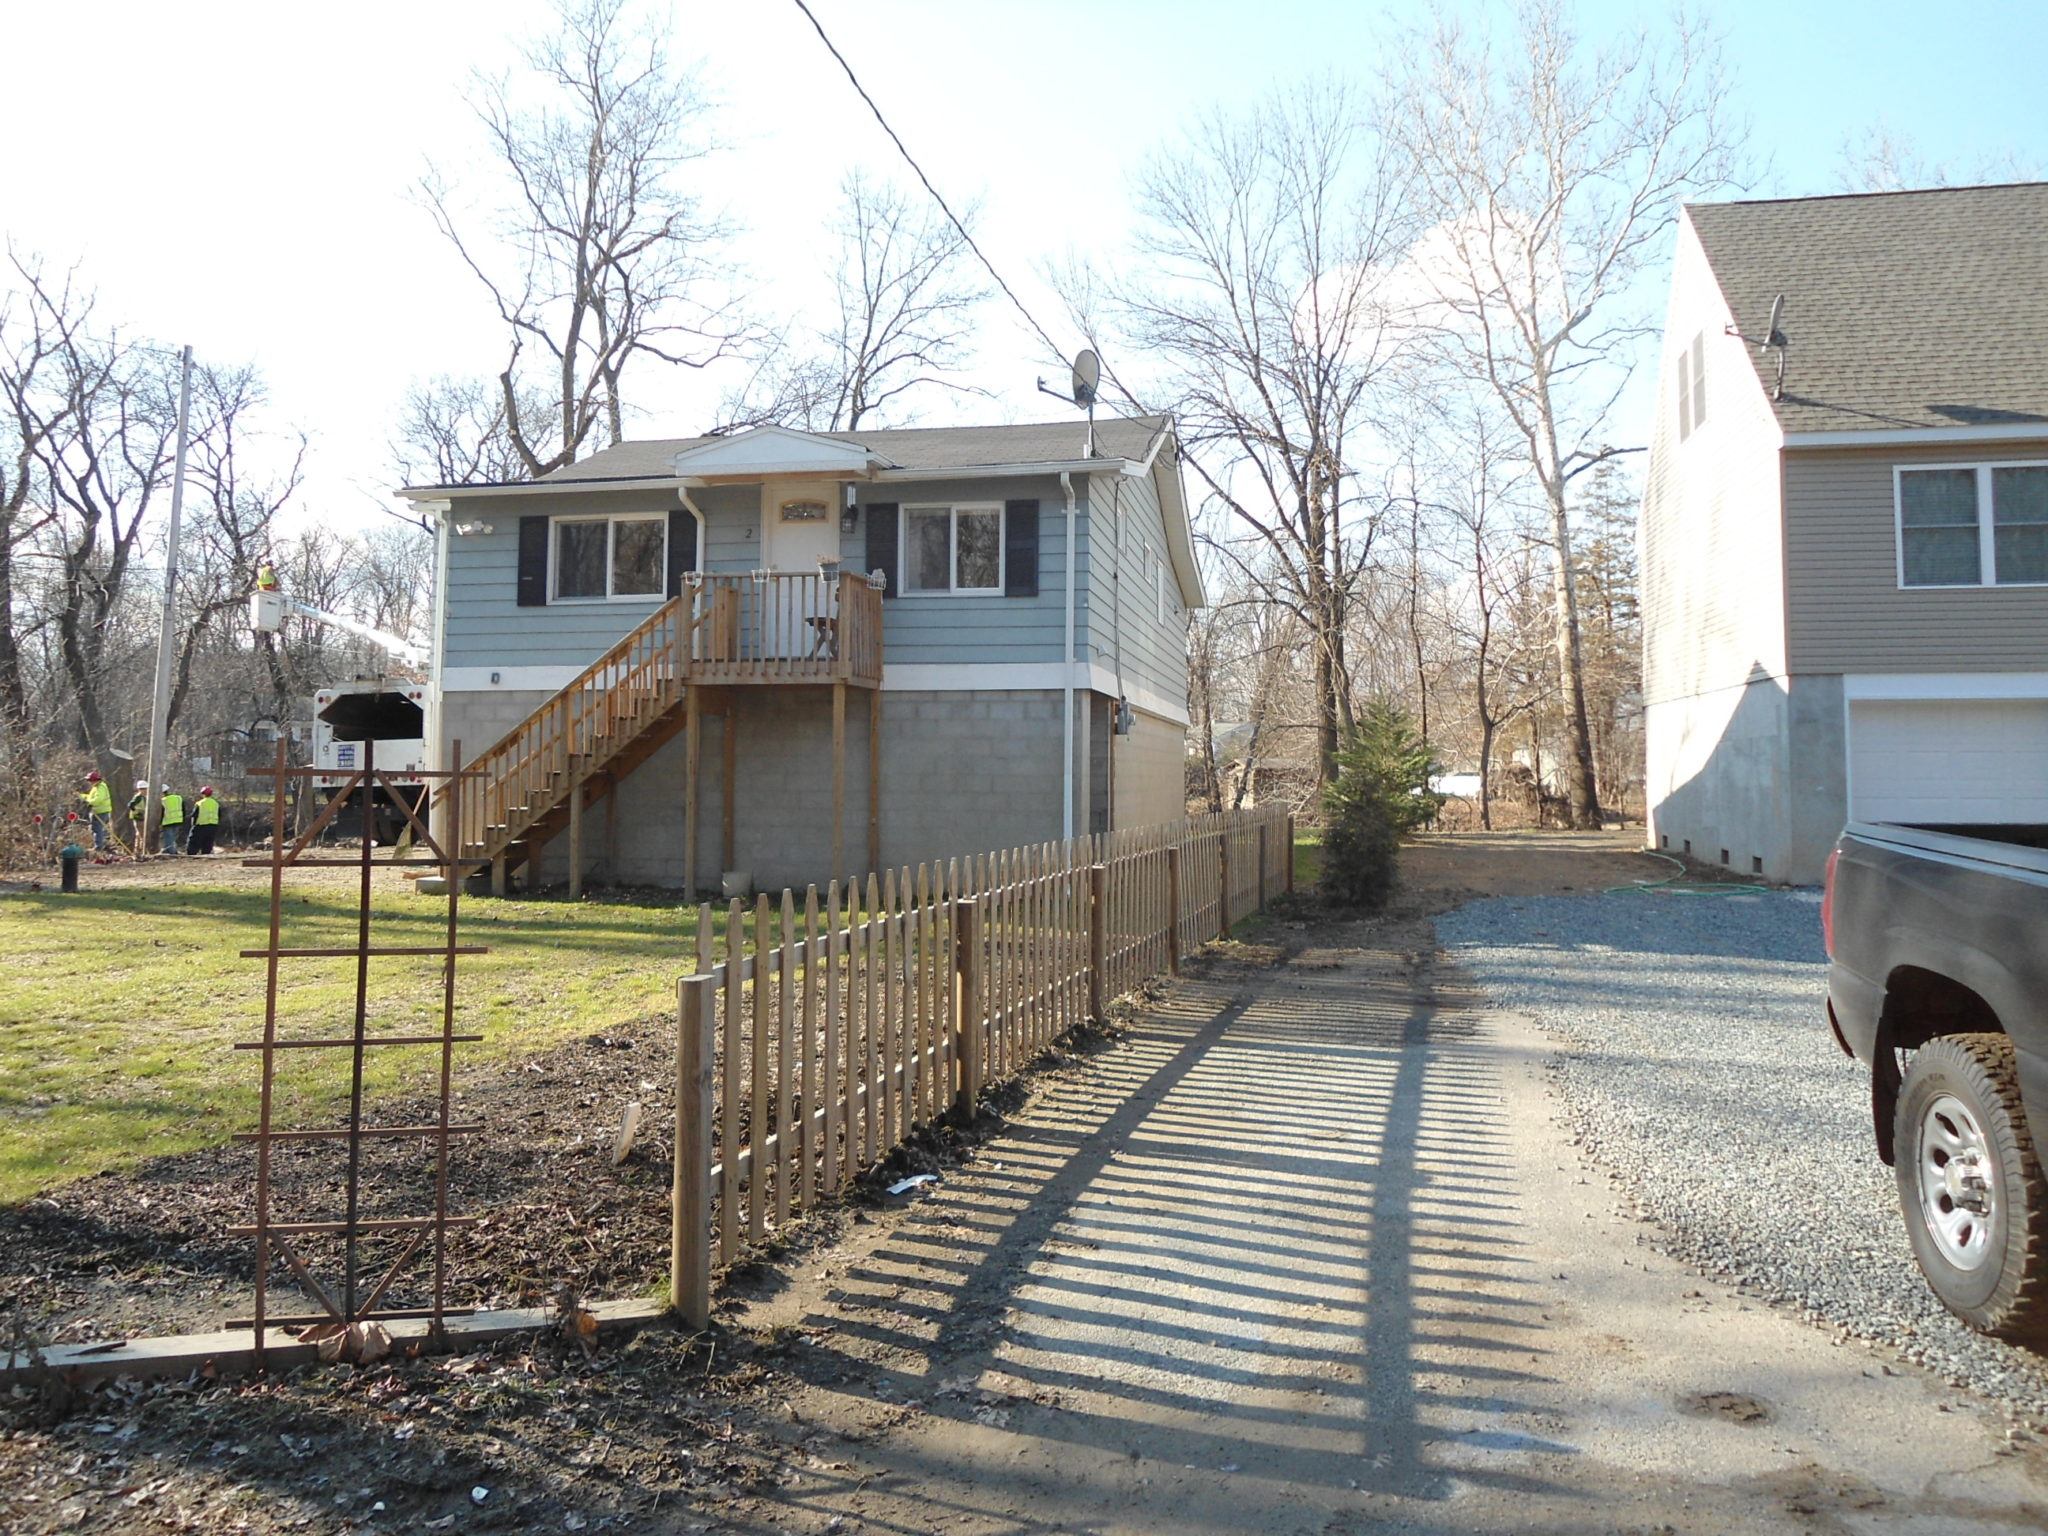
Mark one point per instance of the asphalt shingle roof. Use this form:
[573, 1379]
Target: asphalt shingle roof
[1902, 309]
[935, 448]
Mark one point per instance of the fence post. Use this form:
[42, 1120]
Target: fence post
[1173, 908]
[1290, 854]
[973, 1020]
[1098, 939]
[1264, 828]
[689, 1285]
[1223, 918]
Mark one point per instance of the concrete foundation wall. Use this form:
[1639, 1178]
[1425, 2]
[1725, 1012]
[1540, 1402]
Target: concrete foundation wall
[961, 774]
[1151, 772]
[478, 718]
[1758, 771]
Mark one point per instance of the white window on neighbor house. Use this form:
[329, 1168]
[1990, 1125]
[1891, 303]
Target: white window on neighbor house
[953, 549]
[1972, 525]
[1692, 386]
[606, 557]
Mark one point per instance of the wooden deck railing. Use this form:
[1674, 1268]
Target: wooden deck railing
[821, 1032]
[769, 627]
[763, 628]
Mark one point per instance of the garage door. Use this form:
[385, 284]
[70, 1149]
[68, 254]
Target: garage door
[1982, 761]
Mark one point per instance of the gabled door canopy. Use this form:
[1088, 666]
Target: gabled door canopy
[780, 453]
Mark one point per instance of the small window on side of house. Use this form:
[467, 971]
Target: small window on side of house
[1684, 397]
[1938, 531]
[1699, 378]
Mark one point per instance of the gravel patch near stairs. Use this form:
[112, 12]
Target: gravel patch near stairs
[1698, 1069]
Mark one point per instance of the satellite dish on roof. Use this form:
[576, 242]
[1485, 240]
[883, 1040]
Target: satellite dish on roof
[1773, 339]
[1087, 375]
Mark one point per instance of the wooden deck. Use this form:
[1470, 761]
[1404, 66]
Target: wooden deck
[765, 629]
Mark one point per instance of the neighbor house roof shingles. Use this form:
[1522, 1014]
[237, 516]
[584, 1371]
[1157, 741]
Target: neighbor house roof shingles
[933, 448]
[1902, 309]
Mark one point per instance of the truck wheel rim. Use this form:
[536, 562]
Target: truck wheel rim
[1958, 1182]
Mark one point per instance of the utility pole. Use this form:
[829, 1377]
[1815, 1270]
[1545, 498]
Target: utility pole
[160, 706]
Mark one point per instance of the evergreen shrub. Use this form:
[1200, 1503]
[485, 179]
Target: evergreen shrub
[1381, 790]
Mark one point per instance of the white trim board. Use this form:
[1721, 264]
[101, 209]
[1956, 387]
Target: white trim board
[1001, 677]
[1945, 685]
[931, 677]
[1903, 437]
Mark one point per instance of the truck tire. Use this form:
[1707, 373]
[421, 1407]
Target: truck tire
[1970, 1185]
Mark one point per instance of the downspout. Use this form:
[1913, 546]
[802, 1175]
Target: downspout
[703, 528]
[442, 513]
[1067, 686]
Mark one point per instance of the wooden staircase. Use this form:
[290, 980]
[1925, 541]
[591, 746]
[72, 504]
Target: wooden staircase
[722, 632]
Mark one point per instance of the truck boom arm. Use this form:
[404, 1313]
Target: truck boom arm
[267, 608]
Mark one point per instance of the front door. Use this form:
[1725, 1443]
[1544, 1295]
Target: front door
[800, 527]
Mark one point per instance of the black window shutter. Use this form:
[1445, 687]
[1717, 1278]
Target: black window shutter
[533, 562]
[1020, 548]
[682, 548]
[882, 543]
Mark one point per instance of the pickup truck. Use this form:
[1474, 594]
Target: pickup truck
[1937, 945]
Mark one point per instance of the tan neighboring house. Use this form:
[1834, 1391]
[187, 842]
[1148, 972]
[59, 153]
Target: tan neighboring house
[1845, 577]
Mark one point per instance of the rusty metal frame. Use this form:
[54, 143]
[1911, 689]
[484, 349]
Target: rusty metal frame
[356, 1302]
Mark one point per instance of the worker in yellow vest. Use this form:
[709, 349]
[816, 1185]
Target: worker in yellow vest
[99, 808]
[205, 822]
[138, 813]
[174, 819]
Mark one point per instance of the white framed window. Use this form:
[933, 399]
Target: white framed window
[595, 559]
[955, 549]
[1692, 386]
[1972, 525]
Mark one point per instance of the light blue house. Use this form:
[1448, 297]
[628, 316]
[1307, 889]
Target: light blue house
[802, 655]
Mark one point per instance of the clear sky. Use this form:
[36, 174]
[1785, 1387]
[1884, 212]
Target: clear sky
[238, 175]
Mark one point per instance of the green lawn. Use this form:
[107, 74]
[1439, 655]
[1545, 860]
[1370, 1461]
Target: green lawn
[117, 1008]
[1308, 857]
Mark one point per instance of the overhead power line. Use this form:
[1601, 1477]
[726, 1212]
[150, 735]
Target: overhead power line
[1029, 319]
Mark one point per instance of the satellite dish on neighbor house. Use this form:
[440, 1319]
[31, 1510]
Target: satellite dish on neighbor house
[1773, 337]
[1087, 376]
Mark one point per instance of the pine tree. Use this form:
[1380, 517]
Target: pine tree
[1381, 790]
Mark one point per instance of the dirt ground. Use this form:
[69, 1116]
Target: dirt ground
[1129, 1308]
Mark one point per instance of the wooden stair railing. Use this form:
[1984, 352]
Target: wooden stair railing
[529, 771]
[723, 630]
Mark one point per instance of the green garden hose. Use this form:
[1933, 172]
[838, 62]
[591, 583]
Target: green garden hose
[1673, 885]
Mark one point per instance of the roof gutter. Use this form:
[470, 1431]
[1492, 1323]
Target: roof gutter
[420, 494]
[1008, 471]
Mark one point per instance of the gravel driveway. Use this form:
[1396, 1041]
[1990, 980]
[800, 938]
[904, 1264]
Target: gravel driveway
[1699, 1070]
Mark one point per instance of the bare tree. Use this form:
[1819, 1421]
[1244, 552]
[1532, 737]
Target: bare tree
[1266, 247]
[597, 255]
[455, 431]
[237, 506]
[99, 416]
[1549, 173]
[1882, 159]
[905, 290]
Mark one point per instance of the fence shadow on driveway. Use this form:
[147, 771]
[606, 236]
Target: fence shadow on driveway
[1277, 1238]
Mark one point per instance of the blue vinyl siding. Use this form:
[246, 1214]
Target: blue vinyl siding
[485, 627]
[980, 630]
[1124, 604]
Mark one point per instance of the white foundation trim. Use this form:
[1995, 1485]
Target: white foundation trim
[1945, 685]
[930, 677]
[997, 677]
[507, 679]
